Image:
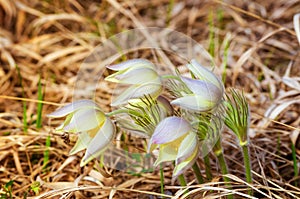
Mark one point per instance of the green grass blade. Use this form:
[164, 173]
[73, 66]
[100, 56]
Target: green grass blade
[296, 169]
[220, 17]
[211, 48]
[46, 153]
[169, 12]
[39, 123]
[39, 105]
[225, 58]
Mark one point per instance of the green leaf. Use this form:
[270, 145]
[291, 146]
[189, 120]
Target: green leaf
[35, 187]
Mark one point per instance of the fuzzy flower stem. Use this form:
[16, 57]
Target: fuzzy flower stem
[218, 151]
[162, 191]
[223, 165]
[224, 171]
[247, 164]
[197, 173]
[181, 180]
[207, 167]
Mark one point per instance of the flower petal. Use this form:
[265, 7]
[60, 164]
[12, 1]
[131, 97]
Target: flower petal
[174, 144]
[100, 142]
[135, 76]
[203, 88]
[138, 76]
[203, 73]
[127, 123]
[167, 152]
[73, 107]
[151, 147]
[187, 147]
[84, 120]
[194, 103]
[170, 129]
[133, 63]
[82, 142]
[186, 164]
[65, 123]
[137, 91]
[164, 107]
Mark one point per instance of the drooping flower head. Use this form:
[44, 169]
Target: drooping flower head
[176, 141]
[142, 77]
[204, 92]
[95, 130]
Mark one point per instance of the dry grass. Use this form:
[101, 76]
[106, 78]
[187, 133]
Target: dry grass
[51, 39]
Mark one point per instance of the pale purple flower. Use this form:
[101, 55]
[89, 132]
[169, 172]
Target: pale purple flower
[206, 91]
[176, 141]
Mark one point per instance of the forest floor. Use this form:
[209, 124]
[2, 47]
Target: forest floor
[43, 44]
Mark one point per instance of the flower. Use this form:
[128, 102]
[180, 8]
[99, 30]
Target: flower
[204, 74]
[204, 93]
[142, 118]
[237, 115]
[140, 74]
[95, 130]
[176, 141]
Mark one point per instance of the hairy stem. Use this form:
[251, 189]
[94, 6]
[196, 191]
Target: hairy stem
[181, 180]
[223, 166]
[247, 164]
[197, 173]
[224, 171]
[207, 167]
[162, 191]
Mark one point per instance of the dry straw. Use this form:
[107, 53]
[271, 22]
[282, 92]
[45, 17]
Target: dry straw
[51, 39]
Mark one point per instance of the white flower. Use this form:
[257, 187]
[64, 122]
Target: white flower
[95, 130]
[140, 74]
[205, 92]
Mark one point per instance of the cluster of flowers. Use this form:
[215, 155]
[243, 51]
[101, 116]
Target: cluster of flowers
[170, 131]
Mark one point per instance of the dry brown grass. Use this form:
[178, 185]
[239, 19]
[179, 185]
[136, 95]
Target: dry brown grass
[51, 39]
